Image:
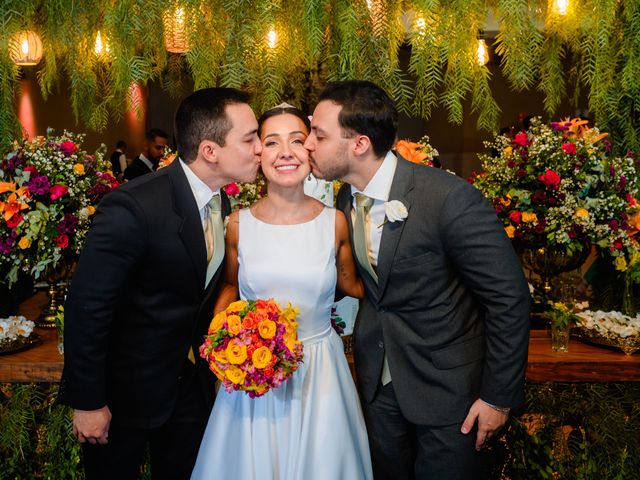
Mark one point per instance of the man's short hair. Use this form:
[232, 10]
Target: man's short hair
[121, 144]
[155, 132]
[201, 116]
[366, 110]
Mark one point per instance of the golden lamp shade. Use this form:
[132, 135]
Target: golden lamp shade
[25, 48]
[176, 37]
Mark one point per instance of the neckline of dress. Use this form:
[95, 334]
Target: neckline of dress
[287, 224]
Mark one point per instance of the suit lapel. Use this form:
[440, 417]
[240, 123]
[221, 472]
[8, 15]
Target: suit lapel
[190, 231]
[392, 231]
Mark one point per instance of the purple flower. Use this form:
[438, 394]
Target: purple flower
[559, 127]
[539, 197]
[552, 200]
[607, 145]
[623, 182]
[39, 185]
[612, 171]
[613, 224]
[521, 173]
[99, 190]
[68, 224]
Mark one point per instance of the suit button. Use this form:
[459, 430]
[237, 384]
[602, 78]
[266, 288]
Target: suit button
[381, 344]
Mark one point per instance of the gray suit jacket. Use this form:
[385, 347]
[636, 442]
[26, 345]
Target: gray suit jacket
[451, 308]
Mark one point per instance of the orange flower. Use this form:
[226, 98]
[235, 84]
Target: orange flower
[411, 151]
[217, 322]
[7, 187]
[511, 231]
[12, 207]
[235, 374]
[24, 243]
[220, 356]
[261, 357]
[236, 354]
[234, 324]
[78, 169]
[267, 329]
[237, 306]
[634, 222]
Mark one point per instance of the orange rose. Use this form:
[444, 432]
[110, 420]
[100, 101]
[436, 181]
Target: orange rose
[237, 306]
[510, 231]
[267, 329]
[261, 357]
[235, 374]
[234, 324]
[236, 354]
[217, 322]
[78, 169]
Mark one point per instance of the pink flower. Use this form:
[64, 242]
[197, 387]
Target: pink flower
[551, 179]
[58, 191]
[31, 169]
[68, 147]
[62, 241]
[569, 148]
[521, 139]
[232, 189]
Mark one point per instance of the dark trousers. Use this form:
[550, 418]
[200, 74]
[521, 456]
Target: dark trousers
[401, 450]
[173, 446]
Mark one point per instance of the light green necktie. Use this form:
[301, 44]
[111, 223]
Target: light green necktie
[214, 236]
[363, 204]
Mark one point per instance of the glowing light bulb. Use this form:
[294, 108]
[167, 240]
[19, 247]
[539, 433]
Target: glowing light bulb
[99, 46]
[180, 16]
[421, 24]
[25, 46]
[482, 54]
[272, 38]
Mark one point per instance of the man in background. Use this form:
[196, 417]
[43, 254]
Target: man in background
[155, 143]
[119, 159]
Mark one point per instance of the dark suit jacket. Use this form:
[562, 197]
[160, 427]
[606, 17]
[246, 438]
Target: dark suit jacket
[138, 301]
[451, 308]
[136, 169]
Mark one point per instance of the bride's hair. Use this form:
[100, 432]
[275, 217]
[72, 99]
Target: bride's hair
[282, 109]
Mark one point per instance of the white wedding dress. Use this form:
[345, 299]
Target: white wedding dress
[311, 427]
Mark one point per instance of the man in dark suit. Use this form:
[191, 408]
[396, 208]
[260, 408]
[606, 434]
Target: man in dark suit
[155, 142]
[118, 160]
[143, 294]
[441, 336]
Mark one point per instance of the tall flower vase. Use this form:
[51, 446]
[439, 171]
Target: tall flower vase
[55, 293]
[560, 338]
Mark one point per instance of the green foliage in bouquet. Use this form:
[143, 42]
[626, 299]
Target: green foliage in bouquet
[559, 186]
[49, 189]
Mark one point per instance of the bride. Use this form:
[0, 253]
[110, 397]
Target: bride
[292, 248]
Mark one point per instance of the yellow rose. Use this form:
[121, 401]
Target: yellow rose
[506, 201]
[582, 213]
[261, 357]
[237, 306]
[234, 324]
[220, 356]
[529, 217]
[24, 243]
[78, 169]
[217, 322]
[235, 374]
[508, 151]
[621, 263]
[267, 329]
[510, 231]
[91, 210]
[236, 354]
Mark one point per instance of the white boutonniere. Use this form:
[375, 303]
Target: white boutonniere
[394, 211]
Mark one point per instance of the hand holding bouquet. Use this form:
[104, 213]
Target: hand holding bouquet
[253, 346]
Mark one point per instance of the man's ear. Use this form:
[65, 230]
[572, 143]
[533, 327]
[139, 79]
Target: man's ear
[362, 145]
[208, 151]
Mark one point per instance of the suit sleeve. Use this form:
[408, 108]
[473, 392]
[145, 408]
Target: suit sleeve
[483, 256]
[114, 246]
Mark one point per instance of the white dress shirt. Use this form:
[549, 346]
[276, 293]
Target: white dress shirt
[201, 191]
[378, 188]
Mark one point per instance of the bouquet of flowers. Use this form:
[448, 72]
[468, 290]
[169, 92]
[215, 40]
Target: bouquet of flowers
[558, 186]
[243, 195]
[253, 346]
[418, 152]
[49, 189]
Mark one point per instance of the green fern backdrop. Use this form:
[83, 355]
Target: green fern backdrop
[322, 40]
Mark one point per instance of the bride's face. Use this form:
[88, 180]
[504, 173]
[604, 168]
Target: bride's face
[285, 161]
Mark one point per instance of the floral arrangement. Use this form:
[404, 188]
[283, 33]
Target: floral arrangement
[560, 315]
[609, 324]
[557, 185]
[417, 152]
[49, 189]
[13, 327]
[253, 346]
[243, 195]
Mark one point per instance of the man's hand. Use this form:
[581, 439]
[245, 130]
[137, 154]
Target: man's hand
[92, 425]
[489, 419]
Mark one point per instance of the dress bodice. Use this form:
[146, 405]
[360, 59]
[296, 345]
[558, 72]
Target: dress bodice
[290, 263]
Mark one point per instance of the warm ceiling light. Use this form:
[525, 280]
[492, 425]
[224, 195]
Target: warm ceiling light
[176, 38]
[26, 48]
[482, 53]
[272, 38]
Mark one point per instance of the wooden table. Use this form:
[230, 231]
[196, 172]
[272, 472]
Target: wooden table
[583, 362]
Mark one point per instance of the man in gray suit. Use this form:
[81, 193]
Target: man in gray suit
[441, 336]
